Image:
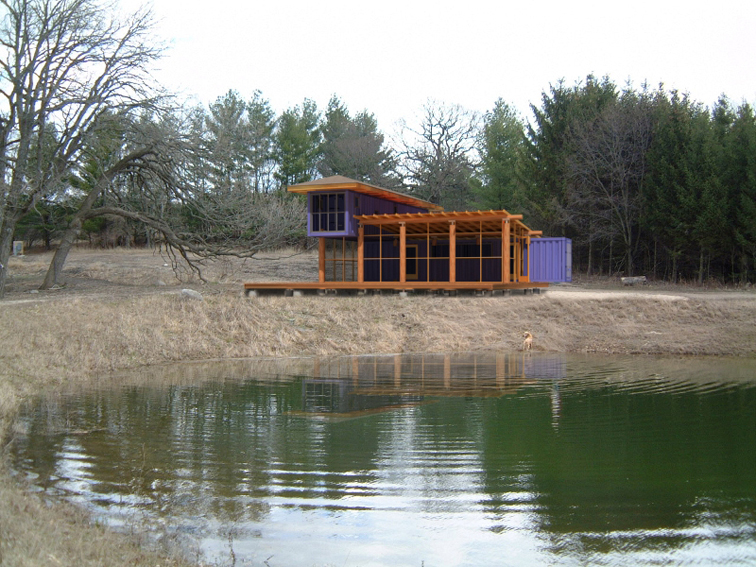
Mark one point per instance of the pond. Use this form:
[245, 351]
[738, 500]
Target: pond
[436, 460]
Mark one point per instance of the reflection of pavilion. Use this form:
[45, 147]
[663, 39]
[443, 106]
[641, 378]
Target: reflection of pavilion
[365, 384]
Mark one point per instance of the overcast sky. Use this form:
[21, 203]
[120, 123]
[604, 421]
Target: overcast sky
[389, 57]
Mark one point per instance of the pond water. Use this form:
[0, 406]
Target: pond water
[435, 460]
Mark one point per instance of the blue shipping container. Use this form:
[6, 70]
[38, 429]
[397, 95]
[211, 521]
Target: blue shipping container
[551, 260]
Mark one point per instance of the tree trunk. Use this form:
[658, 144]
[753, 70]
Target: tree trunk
[6, 244]
[674, 267]
[656, 260]
[59, 259]
[611, 257]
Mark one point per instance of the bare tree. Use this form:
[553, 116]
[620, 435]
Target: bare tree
[149, 181]
[607, 170]
[438, 158]
[63, 64]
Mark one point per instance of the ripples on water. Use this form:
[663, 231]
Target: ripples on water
[438, 460]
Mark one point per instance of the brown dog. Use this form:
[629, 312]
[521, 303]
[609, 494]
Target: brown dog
[527, 344]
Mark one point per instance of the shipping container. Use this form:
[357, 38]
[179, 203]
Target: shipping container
[551, 260]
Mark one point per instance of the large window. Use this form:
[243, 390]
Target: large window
[340, 260]
[328, 212]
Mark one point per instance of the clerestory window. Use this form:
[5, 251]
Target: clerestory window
[328, 212]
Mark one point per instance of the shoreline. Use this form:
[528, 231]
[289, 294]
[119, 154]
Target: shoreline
[96, 330]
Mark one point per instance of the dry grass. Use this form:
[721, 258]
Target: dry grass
[80, 335]
[35, 532]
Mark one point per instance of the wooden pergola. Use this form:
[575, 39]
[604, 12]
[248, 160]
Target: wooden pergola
[452, 227]
[419, 251]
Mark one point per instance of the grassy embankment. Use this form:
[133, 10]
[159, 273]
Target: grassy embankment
[55, 343]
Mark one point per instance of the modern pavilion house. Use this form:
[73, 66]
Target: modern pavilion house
[372, 238]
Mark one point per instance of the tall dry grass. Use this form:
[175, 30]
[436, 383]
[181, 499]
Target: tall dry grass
[51, 342]
[71, 342]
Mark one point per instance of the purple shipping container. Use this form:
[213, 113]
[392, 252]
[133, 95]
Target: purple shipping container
[551, 260]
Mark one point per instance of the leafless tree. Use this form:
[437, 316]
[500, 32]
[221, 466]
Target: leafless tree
[607, 172]
[63, 64]
[438, 157]
[153, 185]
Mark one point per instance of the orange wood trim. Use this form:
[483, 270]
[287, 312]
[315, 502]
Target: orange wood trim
[321, 259]
[429, 218]
[402, 252]
[505, 259]
[380, 254]
[479, 242]
[452, 252]
[361, 254]
[390, 285]
[527, 275]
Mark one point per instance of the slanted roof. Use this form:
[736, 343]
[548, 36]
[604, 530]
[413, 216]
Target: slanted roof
[466, 221]
[341, 183]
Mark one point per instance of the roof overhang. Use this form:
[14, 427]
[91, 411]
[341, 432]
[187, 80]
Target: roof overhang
[466, 221]
[340, 183]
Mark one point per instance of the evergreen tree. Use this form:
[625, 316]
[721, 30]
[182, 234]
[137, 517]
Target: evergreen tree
[261, 121]
[353, 147]
[500, 145]
[296, 144]
[548, 146]
[741, 149]
[229, 144]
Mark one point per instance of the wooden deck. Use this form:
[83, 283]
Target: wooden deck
[254, 288]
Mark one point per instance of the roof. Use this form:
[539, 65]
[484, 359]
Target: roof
[466, 221]
[340, 183]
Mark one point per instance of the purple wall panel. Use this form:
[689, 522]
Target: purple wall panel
[551, 260]
[358, 204]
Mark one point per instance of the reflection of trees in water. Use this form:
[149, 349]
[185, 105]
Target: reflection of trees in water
[642, 466]
[570, 458]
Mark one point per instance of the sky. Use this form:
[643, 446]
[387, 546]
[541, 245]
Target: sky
[391, 57]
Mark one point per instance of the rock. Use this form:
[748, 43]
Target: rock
[160, 282]
[191, 294]
[633, 280]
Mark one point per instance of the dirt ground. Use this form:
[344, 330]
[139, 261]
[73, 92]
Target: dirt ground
[136, 271]
[124, 309]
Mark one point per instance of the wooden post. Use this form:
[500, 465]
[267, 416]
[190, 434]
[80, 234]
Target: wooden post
[517, 255]
[526, 264]
[505, 275]
[452, 252]
[361, 254]
[402, 252]
[321, 259]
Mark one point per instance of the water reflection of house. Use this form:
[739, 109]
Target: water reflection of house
[366, 384]
[372, 238]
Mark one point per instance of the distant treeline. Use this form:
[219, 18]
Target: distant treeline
[643, 181]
